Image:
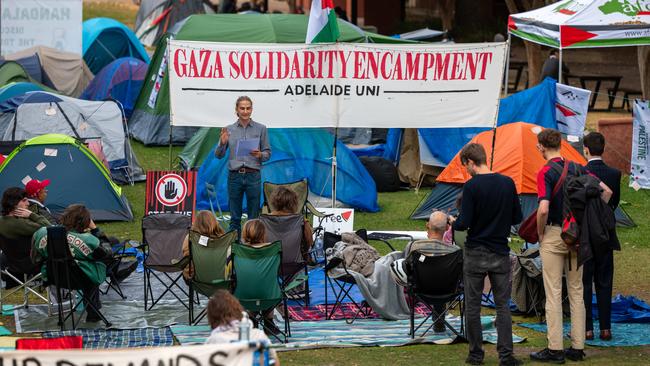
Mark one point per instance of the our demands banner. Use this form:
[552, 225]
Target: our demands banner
[336, 85]
[227, 354]
[640, 159]
[51, 23]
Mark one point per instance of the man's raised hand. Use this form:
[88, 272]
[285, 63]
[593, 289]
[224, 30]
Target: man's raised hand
[223, 138]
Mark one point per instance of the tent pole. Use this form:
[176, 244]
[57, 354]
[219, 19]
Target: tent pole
[336, 132]
[170, 145]
[506, 77]
[559, 68]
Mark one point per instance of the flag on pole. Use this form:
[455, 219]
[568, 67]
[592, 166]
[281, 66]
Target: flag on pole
[322, 27]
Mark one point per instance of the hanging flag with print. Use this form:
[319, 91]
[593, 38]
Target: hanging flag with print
[323, 26]
[640, 159]
[571, 105]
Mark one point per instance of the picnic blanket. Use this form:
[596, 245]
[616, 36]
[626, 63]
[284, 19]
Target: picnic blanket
[344, 311]
[624, 334]
[336, 333]
[119, 338]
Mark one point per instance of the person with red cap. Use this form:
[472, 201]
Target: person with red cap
[36, 194]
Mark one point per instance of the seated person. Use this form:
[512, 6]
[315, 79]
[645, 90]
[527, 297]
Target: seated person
[253, 234]
[36, 194]
[86, 249]
[17, 225]
[285, 202]
[224, 313]
[205, 224]
[437, 225]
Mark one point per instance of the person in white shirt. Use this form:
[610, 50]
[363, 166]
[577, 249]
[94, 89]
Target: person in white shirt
[224, 314]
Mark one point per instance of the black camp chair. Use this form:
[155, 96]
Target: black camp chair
[65, 274]
[16, 266]
[445, 291]
[162, 244]
[342, 285]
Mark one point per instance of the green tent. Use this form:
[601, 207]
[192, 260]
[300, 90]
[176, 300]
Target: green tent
[150, 120]
[13, 72]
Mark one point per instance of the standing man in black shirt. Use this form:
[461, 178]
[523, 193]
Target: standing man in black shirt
[489, 208]
[600, 269]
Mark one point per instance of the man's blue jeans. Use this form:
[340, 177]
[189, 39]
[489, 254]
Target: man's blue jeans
[238, 185]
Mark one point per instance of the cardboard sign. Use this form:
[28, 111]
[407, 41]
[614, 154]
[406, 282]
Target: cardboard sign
[337, 85]
[341, 221]
[169, 191]
[30, 23]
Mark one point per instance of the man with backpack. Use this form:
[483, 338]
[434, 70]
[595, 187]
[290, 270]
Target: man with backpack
[600, 269]
[557, 257]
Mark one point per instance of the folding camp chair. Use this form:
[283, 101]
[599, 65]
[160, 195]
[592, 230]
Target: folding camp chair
[257, 285]
[342, 285]
[162, 245]
[209, 257]
[16, 266]
[529, 276]
[64, 273]
[446, 291]
[289, 230]
[301, 188]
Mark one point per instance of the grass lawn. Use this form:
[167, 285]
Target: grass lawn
[631, 274]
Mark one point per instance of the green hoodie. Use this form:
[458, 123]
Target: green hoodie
[82, 245]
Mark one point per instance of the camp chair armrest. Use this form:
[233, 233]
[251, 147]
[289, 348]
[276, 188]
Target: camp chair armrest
[311, 209]
[295, 282]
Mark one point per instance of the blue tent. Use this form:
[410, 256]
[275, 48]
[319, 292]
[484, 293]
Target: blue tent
[15, 89]
[120, 80]
[297, 154]
[535, 105]
[106, 40]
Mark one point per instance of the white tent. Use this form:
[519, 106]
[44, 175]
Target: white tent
[571, 24]
[585, 24]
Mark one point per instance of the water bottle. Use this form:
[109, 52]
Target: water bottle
[244, 327]
[318, 248]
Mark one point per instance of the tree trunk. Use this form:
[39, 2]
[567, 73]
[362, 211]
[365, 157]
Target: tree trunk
[643, 58]
[447, 13]
[533, 50]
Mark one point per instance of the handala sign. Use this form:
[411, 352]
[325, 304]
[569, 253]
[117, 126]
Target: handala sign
[50, 23]
[338, 220]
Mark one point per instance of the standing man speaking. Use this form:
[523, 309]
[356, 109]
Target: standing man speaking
[249, 148]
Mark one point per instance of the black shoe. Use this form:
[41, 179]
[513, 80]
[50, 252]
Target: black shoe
[548, 355]
[574, 354]
[270, 328]
[439, 326]
[510, 361]
[473, 361]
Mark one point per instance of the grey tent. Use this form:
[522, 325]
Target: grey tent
[37, 113]
[157, 17]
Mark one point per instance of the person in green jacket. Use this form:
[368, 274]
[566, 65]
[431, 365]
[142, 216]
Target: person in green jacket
[86, 250]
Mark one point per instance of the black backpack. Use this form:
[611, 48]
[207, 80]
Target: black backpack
[577, 189]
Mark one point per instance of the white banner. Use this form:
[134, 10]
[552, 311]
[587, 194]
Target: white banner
[236, 354]
[51, 23]
[640, 160]
[341, 221]
[571, 106]
[336, 85]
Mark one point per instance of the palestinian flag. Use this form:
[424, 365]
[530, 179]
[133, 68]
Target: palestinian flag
[322, 27]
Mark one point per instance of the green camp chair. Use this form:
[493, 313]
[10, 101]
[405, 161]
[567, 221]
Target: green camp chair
[258, 286]
[301, 188]
[209, 255]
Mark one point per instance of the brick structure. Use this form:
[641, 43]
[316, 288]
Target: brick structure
[618, 142]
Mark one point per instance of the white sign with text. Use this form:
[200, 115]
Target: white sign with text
[51, 23]
[340, 221]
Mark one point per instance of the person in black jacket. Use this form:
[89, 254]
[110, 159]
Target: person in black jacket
[489, 208]
[600, 269]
